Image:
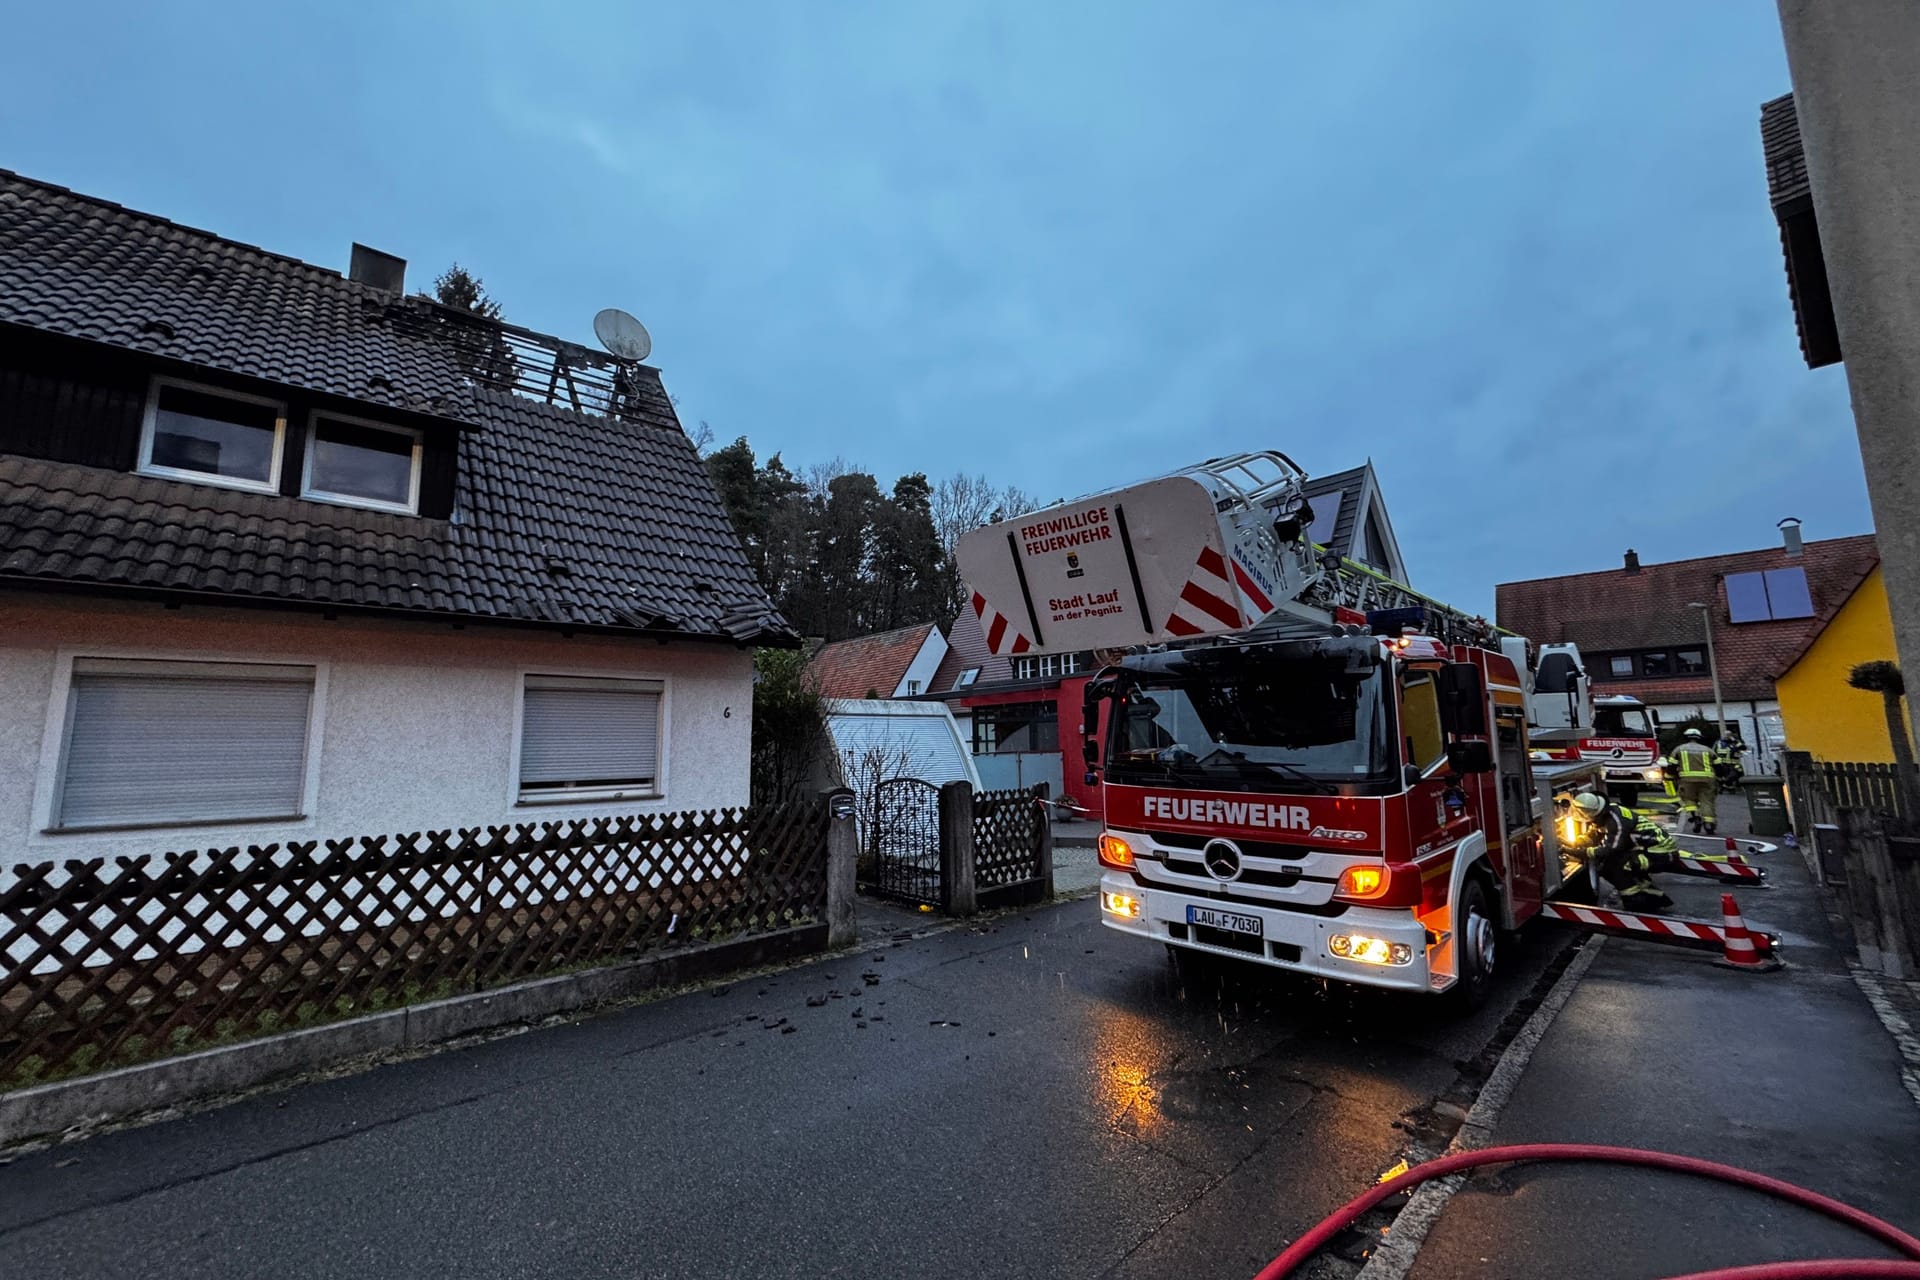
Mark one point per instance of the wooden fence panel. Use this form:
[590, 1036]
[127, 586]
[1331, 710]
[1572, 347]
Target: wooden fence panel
[102, 965]
[1011, 847]
[1862, 786]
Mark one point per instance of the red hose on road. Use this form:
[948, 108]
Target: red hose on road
[1885, 1232]
[1820, 1269]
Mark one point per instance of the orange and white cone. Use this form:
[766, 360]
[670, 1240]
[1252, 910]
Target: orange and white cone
[1744, 949]
[1732, 848]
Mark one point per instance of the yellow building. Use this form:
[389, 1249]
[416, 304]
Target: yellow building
[1822, 713]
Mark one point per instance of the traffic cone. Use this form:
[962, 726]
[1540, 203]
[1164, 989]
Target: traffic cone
[1744, 948]
[1731, 846]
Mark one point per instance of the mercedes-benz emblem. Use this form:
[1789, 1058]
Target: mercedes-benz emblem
[1618, 752]
[1222, 858]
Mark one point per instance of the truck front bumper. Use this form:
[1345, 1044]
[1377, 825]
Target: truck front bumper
[1291, 940]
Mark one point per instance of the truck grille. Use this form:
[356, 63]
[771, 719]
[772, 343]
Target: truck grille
[1251, 848]
[1285, 878]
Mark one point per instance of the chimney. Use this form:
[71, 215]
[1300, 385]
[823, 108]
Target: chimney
[1633, 561]
[378, 270]
[1790, 534]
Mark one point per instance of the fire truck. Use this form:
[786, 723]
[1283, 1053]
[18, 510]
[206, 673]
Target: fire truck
[1568, 723]
[1304, 764]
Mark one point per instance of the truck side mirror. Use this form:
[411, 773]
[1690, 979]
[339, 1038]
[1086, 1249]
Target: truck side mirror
[1463, 700]
[1090, 752]
[1470, 757]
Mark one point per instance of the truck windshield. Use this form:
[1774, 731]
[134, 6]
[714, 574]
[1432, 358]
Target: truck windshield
[1621, 722]
[1291, 727]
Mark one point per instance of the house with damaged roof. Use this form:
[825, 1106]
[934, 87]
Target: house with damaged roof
[287, 554]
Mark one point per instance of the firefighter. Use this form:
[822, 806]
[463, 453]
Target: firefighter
[1620, 859]
[1669, 771]
[1654, 839]
[1726, 763]
[1697, 782]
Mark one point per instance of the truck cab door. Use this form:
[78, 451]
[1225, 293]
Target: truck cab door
[1423, 743]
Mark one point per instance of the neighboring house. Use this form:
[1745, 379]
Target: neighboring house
[283, 557]
[892, 664]
[1022, 714]
[1825, 715]
[1640, 635]
[1350, 517]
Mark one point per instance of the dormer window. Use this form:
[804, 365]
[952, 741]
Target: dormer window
[218, 437]
[361, 463]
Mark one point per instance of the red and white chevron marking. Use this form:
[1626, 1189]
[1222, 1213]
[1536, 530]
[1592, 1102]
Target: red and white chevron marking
[1744, 871]
[1209, 602]
[1632, 922]
[1002, 635]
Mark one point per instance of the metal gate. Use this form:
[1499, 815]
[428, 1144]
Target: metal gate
[901, 839]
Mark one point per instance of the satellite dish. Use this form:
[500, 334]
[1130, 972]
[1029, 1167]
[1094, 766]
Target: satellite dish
[621, 334]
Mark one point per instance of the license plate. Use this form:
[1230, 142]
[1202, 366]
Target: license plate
[1231, 921]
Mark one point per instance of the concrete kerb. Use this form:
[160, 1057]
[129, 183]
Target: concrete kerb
[47, 1110]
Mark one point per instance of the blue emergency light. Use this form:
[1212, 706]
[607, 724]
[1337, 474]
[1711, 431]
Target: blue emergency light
[1391, 622]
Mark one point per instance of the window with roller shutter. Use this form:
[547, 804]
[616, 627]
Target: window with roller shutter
[585, 737]
[152, 743]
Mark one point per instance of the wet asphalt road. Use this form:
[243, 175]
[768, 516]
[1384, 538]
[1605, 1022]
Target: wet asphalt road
[1033, 1096]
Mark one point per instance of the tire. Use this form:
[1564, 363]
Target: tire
[1477, 935]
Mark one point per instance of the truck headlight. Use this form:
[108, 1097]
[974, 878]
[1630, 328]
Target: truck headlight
[1653, 775]
[1358, 946]
[1121, 904]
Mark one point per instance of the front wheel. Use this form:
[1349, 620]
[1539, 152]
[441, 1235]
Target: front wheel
[1476, 944]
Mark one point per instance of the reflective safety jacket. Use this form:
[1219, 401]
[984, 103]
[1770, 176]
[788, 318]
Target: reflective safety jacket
[1695, 760]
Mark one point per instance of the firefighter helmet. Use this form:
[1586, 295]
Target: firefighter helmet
[1692, 733]
[1590, 804]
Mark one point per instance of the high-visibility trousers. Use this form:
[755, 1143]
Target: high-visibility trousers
[1697, 796]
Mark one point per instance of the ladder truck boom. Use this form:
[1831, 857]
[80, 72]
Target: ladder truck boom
[1212, 551]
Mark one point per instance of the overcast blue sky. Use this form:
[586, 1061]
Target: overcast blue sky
[1520, 254]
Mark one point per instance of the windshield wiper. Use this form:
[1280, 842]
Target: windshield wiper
[1239, 760]
[1321, 785]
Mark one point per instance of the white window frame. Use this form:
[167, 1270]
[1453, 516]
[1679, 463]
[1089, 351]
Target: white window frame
[410, 507]
[150, 419]
[663, 762]
[967, 677]
[53, 754]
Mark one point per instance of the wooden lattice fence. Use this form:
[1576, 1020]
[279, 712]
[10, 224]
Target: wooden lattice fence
[105, 965]
[1011, 847]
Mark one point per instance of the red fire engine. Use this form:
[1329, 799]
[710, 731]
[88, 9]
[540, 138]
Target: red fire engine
[1304, 764]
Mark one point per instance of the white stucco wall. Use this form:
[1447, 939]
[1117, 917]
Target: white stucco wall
[416, 723]
[924, 664]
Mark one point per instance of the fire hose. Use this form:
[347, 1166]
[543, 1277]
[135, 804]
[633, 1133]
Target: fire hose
[1823, 1269]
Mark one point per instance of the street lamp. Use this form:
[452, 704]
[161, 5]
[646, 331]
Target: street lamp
[1713, 668]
